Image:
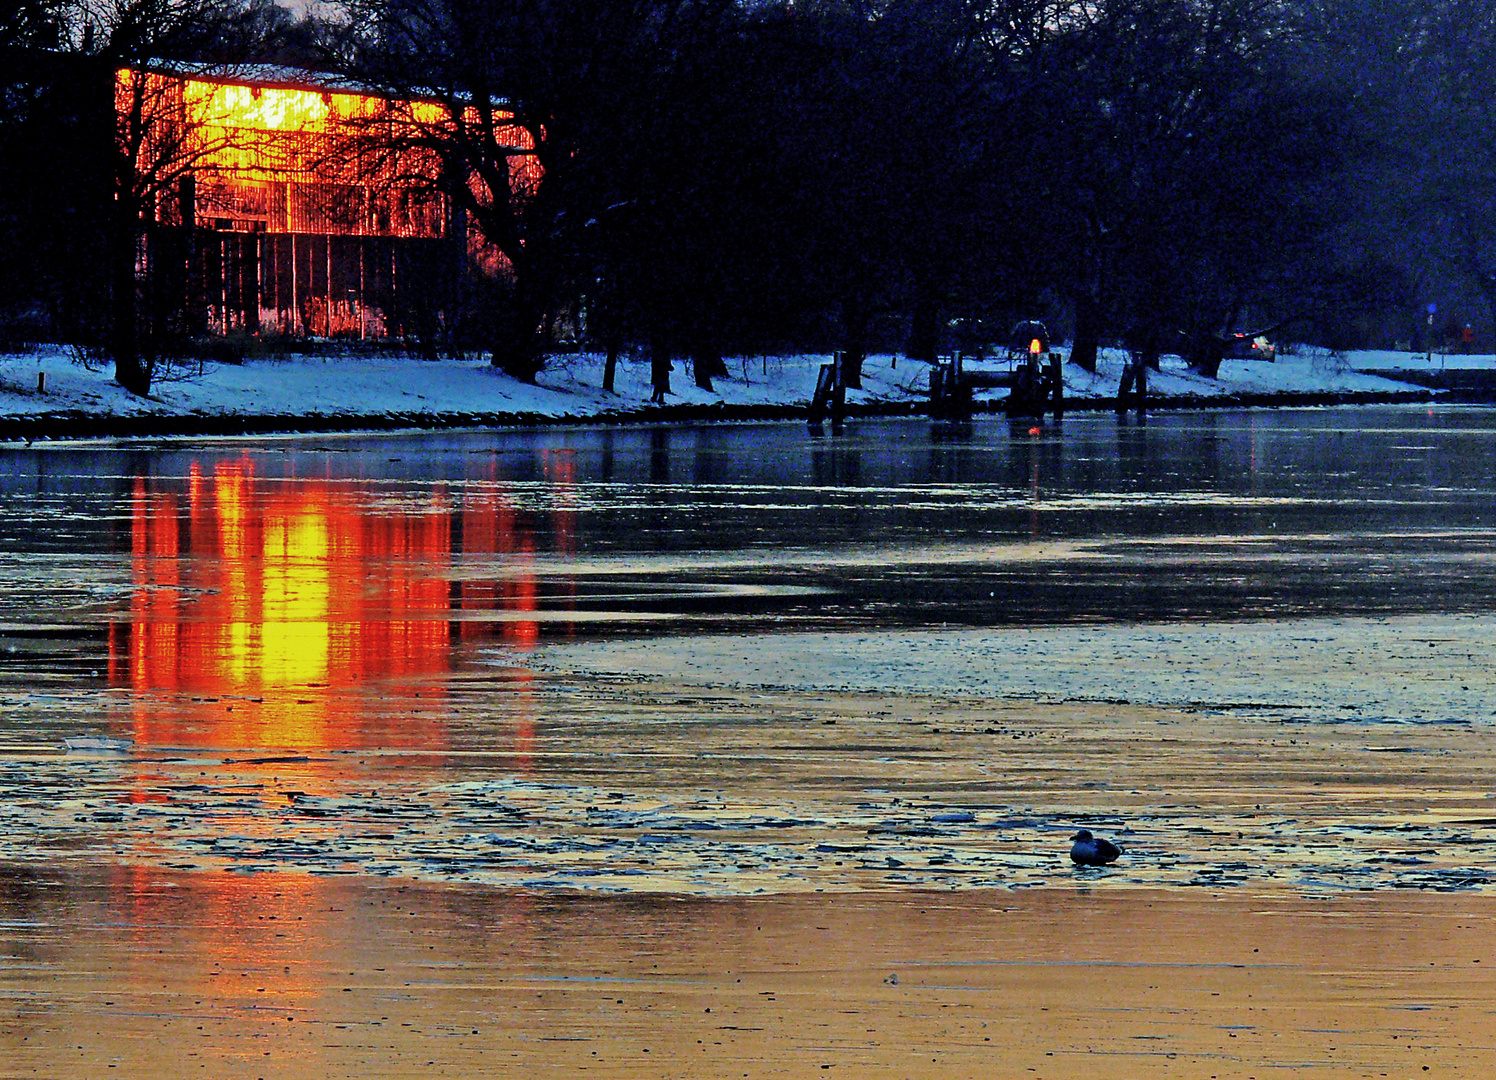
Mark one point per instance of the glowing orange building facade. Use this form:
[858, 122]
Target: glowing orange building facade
[307, 210]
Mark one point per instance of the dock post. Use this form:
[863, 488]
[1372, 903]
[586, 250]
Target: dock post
[838, 391]
[1056, 386]
[1134, 388]
[821, 401]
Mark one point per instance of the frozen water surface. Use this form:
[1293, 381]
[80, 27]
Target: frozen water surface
[733, 659]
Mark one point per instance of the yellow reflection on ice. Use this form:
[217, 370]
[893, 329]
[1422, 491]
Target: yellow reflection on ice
[297, 594]
[288, 597]
[306, 615]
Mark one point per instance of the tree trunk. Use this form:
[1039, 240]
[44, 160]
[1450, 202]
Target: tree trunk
[130, 370]
[1206, 353]
[1087, 332]
[517, 346]
[610, 367]
[517, 354]
[707, 364]
[659, 370]
[854, 341]
[706, 355]
[924, 330]
[701, 370]
[1485, 280]
[716, 365]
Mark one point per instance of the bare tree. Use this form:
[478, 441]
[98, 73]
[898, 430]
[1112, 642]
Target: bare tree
[32, 23]
[167, 126]
[1193, 158]
[29, 30]
[519, 88]
[1449, 118]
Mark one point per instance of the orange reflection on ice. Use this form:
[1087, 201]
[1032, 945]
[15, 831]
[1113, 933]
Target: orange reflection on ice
[490, 526]
[257, 947]
[304, 615]
[286, 599]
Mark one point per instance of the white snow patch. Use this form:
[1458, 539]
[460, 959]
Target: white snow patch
[571, 385]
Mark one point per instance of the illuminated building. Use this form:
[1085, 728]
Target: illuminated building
[275, 205]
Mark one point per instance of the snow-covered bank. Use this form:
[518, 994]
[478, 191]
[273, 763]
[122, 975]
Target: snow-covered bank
[51, 388]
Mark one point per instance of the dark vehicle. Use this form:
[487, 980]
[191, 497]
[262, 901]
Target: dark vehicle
[1250, 347]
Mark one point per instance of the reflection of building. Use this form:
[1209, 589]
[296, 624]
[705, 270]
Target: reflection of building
[313, 614]
[286, 600]
[491, 524]
[282, 206]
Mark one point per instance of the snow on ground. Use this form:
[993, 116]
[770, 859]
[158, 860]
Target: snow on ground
[303, 385]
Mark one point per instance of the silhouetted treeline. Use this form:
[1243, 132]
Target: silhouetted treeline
[912, 175]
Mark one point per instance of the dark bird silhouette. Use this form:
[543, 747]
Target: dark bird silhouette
[1091, 850]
